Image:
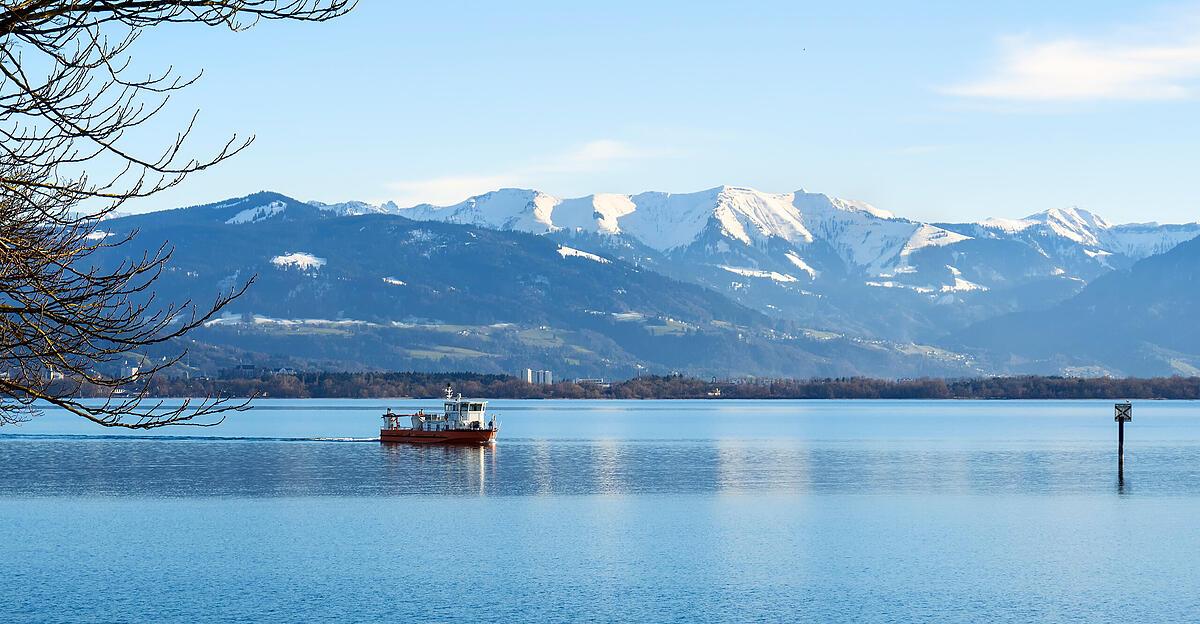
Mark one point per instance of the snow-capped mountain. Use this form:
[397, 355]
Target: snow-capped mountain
[800, 236]
[827, 260]
[810, 267]
[862, 235]
[829, 263]
[505, 209]
[1078, 231]
[867, 239]
[661, 221]
[381, 291]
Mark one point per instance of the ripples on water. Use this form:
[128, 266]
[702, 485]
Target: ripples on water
[601, 511]
[168, 467]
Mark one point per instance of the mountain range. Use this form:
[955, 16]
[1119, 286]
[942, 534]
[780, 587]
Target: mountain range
[727, 281]
[1139, 321]
[839, 265]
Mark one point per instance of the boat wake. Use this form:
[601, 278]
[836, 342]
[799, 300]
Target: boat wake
[175, 438]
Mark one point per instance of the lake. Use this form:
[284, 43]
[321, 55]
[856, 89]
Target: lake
[645, 511]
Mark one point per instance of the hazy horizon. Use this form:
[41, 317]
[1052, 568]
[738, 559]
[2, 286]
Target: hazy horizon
[1015, 216]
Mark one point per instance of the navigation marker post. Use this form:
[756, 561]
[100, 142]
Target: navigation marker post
[1124, 414]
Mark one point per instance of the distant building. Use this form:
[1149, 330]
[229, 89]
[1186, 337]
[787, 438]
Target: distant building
[242, 371]
[539, 377]
[596, 382]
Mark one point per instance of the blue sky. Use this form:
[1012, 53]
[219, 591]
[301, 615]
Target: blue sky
[938, 111]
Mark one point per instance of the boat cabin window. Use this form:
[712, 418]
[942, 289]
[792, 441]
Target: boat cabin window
[464, 407]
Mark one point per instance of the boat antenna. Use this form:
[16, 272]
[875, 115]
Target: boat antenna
[449, 391]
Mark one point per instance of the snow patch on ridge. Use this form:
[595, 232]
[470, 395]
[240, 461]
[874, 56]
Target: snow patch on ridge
[931, 236]
[960, 284]
[299, 259]
[567, 252]
[258, 213]
[355, 208]
[1007, 225]
[892, 284]
[1100, 256]
[801, 264]
[771, 275]
[258, 319]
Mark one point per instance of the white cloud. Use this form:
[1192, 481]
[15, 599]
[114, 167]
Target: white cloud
[593, 156]
[1080, 70]
[447, 189]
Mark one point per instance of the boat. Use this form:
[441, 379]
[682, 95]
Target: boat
[462, 421]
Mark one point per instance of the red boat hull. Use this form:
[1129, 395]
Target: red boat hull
[454, 436]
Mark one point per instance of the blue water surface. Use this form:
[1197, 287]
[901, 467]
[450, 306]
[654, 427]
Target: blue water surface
[646, 511]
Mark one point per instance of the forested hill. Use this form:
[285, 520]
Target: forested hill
[383, 292]
[841, 290]
[431, 385]
[1136, 321]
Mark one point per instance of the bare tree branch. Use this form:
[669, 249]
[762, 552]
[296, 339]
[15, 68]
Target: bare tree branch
[68, 100]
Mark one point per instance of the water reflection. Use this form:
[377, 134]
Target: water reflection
[607, 467]
[731, 467]
[163, 467]
[423, 468]
[543, 470]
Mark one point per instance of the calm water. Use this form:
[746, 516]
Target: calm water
[611, 511]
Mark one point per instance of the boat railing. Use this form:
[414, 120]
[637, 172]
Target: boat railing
[392, 421]
[437, 422]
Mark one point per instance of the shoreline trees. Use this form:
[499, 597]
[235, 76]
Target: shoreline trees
[69, 102]
[430, 385]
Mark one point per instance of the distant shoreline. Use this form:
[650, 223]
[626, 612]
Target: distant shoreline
[420, 386]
